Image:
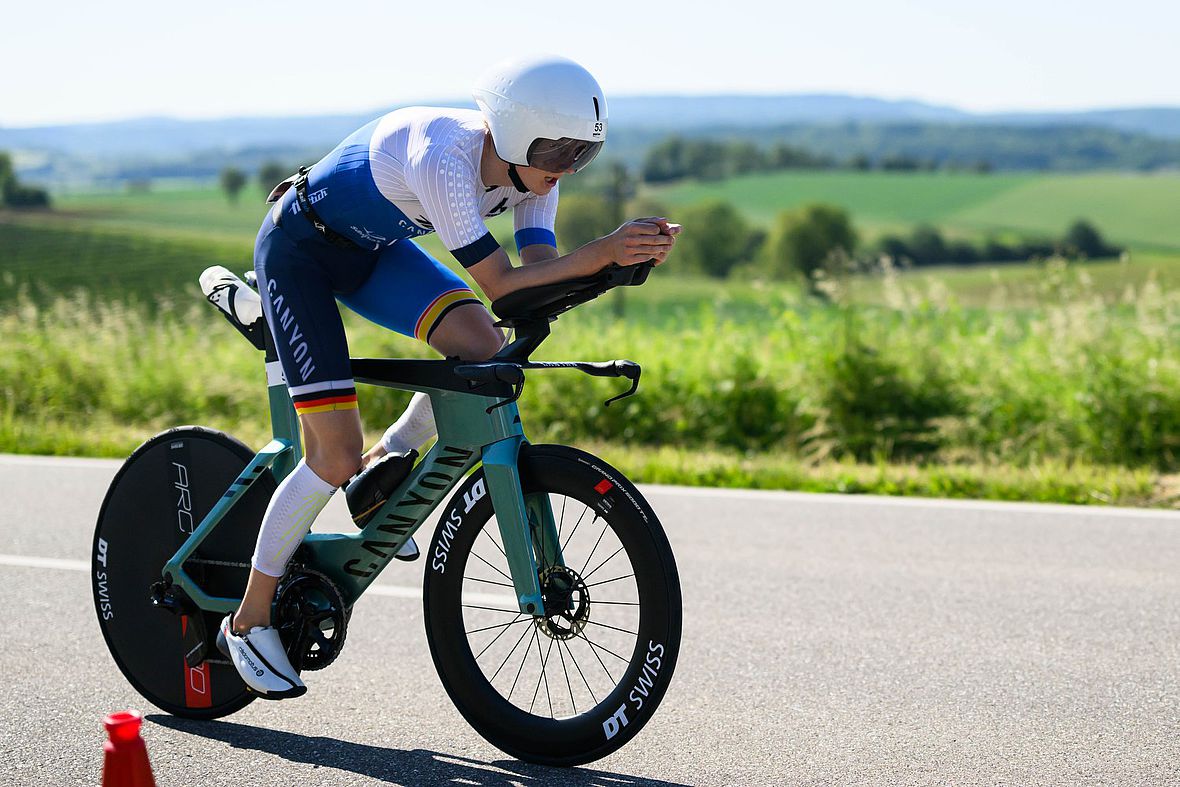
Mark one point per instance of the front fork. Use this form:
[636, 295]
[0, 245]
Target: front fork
[526, 523]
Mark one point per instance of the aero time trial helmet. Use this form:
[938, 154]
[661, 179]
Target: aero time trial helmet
[545, 112]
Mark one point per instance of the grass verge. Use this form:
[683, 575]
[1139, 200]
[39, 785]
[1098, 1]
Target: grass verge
[1049, 481]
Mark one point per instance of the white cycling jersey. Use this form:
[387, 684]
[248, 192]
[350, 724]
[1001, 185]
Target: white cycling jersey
[417, 170]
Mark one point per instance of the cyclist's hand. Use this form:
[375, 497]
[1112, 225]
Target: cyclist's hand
[666, 228]
[639, 241]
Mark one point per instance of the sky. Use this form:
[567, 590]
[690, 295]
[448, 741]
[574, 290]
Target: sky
[71, 61]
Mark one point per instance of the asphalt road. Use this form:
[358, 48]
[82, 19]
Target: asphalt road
[827, 640]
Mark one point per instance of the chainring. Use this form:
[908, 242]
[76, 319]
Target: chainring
[312, 618]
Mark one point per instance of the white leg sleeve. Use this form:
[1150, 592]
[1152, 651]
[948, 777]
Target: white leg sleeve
[295, 505]
[414, 428]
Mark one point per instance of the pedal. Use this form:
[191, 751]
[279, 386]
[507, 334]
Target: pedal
[371, 488]
[195, 639]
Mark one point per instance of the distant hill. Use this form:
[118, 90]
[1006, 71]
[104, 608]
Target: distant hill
[158, 147]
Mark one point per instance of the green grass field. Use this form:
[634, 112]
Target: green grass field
[159, 241]
[156, 243]
[1132, 209]
[195, 213]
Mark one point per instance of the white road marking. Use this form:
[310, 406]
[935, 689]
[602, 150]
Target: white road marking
[26, 561]
[391, 591]
[911, 502]
[59, 461]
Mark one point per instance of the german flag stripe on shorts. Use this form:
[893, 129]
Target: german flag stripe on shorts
[325, 401]
[433, 314]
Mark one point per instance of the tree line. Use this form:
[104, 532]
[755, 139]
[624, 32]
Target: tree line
[233, 179]
[902, 147]
[13, 193]
[677, 158]
[808, 241]
[925, 245]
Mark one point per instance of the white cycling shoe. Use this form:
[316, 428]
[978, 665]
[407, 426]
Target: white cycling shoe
[230, 294]
[260, 659]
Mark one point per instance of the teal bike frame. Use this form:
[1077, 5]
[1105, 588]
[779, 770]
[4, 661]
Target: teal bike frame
[472, 429]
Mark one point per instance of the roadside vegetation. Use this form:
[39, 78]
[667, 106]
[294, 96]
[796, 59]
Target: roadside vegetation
[1072, 400]
[1055, 380]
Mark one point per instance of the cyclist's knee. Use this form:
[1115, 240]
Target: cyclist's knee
[334, 444]
[467, 332]
[334, 464]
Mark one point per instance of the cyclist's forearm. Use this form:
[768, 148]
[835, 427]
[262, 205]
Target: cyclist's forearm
[499, 277]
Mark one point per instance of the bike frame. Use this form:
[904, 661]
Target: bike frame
[470, 432]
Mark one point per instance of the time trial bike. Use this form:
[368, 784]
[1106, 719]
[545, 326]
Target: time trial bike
[551, 596]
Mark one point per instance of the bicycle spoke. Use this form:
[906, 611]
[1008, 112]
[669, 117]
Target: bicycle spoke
[617, 603]
[605, 525]
[523, 659]
[489, 628]
[594, 649]
[490, 609]
[548, 696]
[575, 530]
[561, 522]
[603, 563]
[566, 672]
[504, 626]
[493, 540]
[613, 628]
[578, 667]
[514, 647]
[489, 582]
[493, 568]
[605, 581]
[544, 677]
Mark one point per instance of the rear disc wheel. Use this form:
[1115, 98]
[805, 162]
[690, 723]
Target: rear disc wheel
[160, 494]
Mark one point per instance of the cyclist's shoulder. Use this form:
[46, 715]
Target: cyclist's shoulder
[434, 129]
[435, 140]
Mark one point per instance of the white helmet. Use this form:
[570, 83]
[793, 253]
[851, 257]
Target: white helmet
[544, 111]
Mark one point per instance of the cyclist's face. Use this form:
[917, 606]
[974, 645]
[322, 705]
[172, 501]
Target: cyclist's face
[539, 181]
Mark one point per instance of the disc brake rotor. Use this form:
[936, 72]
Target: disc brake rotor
[567, 603]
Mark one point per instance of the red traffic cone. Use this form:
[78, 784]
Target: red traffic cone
[126, 762]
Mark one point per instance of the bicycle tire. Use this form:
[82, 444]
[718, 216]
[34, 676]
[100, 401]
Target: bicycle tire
[163, 490]
[568, 734]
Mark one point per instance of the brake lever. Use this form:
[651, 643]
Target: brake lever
[631, 371]
[517, 390]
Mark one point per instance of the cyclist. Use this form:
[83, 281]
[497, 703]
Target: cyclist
[344, 231]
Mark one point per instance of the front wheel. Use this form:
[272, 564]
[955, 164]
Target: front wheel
[574, 684]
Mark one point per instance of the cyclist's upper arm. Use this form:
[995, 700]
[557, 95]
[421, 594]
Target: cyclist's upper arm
[534, 218]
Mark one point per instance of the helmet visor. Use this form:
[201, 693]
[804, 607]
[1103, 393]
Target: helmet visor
[562, 155]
